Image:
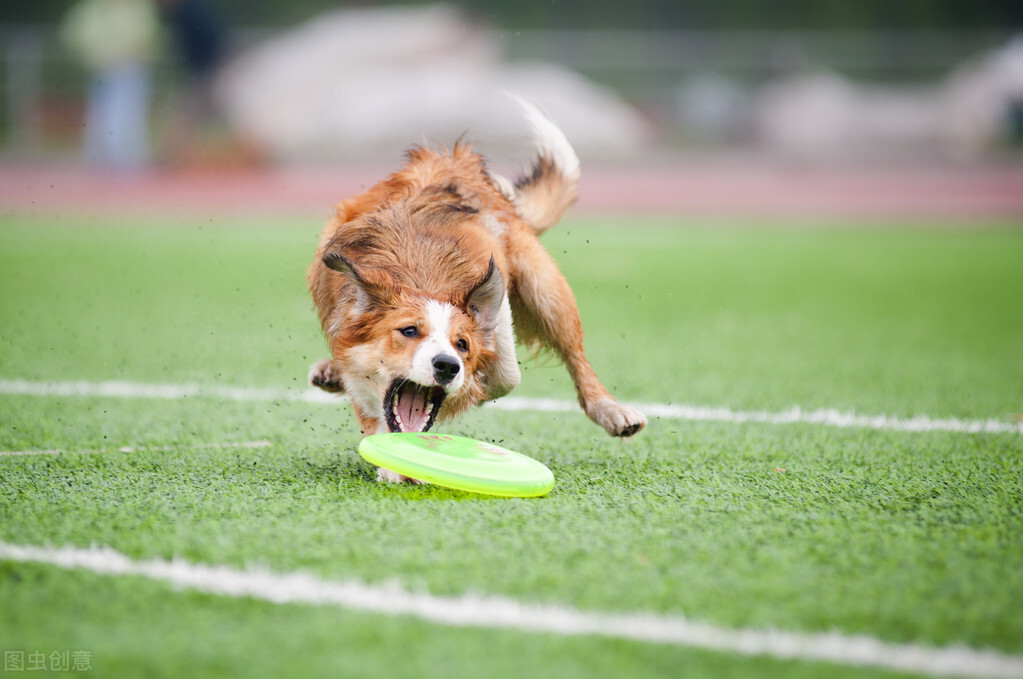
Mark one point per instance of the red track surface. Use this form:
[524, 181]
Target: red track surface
[953, 194]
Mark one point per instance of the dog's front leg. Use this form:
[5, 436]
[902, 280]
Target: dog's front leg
[504, 375]
[545, 309]
[326, 375]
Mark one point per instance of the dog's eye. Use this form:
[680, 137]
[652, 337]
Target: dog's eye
[409, 331]
[462, 345]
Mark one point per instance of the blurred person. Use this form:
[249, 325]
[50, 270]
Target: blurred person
[199, 38]
[196, 132]
[116, 41]
[199, 35]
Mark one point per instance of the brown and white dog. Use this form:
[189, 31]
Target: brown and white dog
[418, 280]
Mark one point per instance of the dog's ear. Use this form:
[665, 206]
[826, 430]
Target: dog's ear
[368, 292]
[486, 298]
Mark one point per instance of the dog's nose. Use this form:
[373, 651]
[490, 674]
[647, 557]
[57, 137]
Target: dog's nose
[445, 368]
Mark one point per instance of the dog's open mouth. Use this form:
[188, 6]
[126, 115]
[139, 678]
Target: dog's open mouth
[412, 407]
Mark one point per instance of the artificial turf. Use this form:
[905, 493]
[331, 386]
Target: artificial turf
[132, 627]
[905, 536]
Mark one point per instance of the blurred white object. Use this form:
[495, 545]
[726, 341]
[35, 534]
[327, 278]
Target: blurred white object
[979, 100]
[359, 82]
[824, 116]
[712, 109]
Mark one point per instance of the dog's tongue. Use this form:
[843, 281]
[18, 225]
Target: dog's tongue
[413, 407]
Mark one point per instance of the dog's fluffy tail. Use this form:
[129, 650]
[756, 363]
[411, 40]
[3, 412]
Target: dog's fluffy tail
[552, 186]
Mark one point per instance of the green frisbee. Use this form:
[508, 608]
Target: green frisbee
[459, 462]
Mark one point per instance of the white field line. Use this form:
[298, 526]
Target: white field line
[668, 411]
[132, 449]
[495, 612]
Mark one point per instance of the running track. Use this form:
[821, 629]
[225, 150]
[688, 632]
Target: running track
[956, 194]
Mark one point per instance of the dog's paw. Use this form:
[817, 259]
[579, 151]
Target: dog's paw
[322, 374]
[388, 476]
[618, 419]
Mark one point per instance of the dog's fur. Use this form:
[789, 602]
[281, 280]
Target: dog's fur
[417, 282]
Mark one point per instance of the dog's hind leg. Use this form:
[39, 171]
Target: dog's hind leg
[545, 310]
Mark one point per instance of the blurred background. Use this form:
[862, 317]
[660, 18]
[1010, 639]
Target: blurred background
[242, 85]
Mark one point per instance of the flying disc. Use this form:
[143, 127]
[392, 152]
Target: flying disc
[459, 462]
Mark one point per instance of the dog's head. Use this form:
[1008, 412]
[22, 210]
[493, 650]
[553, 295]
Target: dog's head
[410, 356]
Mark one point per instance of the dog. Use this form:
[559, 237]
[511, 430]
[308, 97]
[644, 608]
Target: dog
[423, 282]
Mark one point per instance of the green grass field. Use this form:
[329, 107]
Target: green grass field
[906, 537]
